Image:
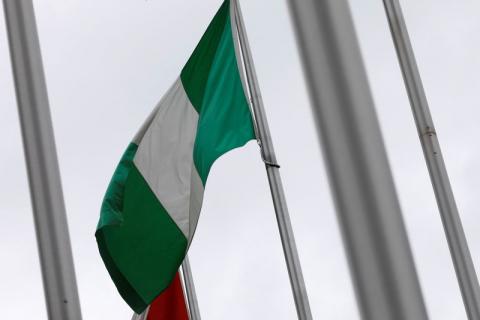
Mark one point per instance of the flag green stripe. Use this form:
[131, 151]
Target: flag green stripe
[195, 73]
[111, 211]
[125, 289]
[225, 121]
[147, 240]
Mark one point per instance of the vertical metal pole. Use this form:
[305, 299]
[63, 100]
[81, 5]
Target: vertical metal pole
[188, 288]
[184, 291]
[457, 241]
[370, 217]
[42, 165]
[193, 307]
[142, 316]
[273, 173]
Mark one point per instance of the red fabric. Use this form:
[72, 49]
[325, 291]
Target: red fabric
[170, 305]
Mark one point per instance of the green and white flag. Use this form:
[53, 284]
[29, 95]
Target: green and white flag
[151, 207]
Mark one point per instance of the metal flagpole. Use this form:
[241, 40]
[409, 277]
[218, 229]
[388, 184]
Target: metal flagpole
[42, 165]
[193, 307]
[142, 316]
[369, 213]
[273, 172]
[189, 289]
[452, 224]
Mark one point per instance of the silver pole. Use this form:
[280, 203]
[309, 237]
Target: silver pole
[370, 217]
[142, 316]
[193, 307]
[45, 188]
[452, 224]
[190, 289]
[273, 173]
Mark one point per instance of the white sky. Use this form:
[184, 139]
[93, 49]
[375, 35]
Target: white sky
[108, 62]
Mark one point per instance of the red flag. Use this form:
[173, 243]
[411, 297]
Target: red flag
[170, 305]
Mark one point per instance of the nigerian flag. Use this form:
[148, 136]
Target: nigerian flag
[151, 207]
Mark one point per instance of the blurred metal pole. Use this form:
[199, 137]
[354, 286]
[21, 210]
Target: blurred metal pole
[273, 172]
[193, 307]
[45, 188]
[381, 262]
[142, 316]
[457, 241]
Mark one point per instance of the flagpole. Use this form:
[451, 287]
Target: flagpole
[273, 172]
[457, 241]
[381, 262]
[194, 310]
[142, 316]
[42, 165]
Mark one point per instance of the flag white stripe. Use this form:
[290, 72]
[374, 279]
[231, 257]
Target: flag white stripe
[165, 158]
[196, 200]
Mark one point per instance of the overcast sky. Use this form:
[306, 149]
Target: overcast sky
[108, 62]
